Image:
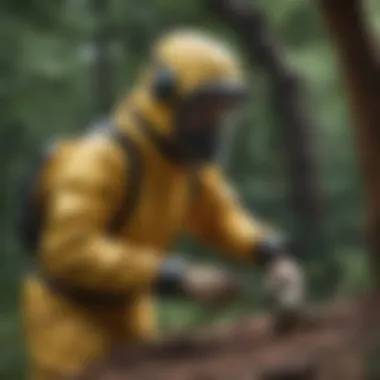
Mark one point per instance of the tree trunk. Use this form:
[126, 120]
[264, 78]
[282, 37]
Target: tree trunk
[102, 78]
[297, 127]
[360, 69]
[358, 60]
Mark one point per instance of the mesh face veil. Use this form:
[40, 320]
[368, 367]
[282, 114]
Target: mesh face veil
[194, 83]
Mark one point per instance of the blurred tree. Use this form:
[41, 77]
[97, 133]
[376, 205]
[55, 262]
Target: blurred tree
[358, 57]
[297, 130]
[103, 69]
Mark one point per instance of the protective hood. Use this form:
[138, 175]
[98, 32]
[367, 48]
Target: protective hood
[184, 65]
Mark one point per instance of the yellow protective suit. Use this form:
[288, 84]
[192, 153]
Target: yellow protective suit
[83, 187]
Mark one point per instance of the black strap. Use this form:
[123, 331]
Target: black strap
[133, 180]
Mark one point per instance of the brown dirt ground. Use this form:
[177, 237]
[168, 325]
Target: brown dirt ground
[322, 345]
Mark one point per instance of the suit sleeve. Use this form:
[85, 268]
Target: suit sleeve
[217, 218]
[75, 244]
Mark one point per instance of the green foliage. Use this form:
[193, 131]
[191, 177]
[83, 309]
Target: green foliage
[48, 85]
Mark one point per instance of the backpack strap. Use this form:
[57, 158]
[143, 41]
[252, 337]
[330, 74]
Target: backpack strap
[133, 181]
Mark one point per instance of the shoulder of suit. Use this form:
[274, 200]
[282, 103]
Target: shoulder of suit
[95, 155]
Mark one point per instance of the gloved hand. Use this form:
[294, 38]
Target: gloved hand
[210, 286]
[285, 283]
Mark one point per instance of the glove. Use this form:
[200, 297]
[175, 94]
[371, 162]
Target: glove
[204, 284]
[210, 286]
[285, 283]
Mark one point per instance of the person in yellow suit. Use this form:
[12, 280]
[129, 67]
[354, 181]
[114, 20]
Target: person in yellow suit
[95, 286]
